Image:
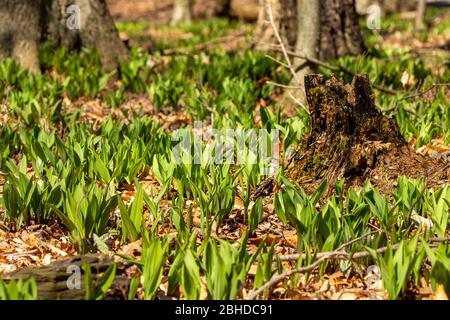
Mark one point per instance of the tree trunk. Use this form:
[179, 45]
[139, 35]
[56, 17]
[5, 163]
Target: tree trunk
[340, 33]
[25, 24]
[182, 12]
[307, 42]
[246, 10]
[326, 30]
[298, 20]
[285, 19]
[420, 15]
[350, 138]
[20, 27]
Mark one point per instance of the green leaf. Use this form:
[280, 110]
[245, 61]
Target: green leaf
[317, 195]
[101, 169]
[134, 285]
[105, 281]
[190, 277]
[154, 254]
[101, 245]
[256, 215]
[88, 282]
[129, 230]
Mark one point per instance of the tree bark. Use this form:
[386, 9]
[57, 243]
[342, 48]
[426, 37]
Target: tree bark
[20, 27]
[308, 42]
[327, 29]
[285, 17]
[25, 24]
[246, 10]
[420, 14]
[297, 21]
[340, 33]
[386, 6]
[182, 12]
[350, 138]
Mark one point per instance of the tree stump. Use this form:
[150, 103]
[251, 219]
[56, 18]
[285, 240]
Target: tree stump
[52, 280]
[350, 138]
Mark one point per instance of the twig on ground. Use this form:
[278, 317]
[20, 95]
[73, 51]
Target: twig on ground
[295, 257]
[349, 243]
[419, 94]
[3, 226]
[340, 255]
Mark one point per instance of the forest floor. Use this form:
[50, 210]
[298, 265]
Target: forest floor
[160, 12]
[112, 145]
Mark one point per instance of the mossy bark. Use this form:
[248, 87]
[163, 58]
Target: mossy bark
[25, 24]
[350, 138]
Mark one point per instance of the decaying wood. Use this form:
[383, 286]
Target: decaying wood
[350, 138]
[52, 280]
[308, 42]
[338, 254]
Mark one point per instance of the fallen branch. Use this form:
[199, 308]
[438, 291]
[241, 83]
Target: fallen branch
[419, 94]
[425, 91]
[296, 257]
[338, 254]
